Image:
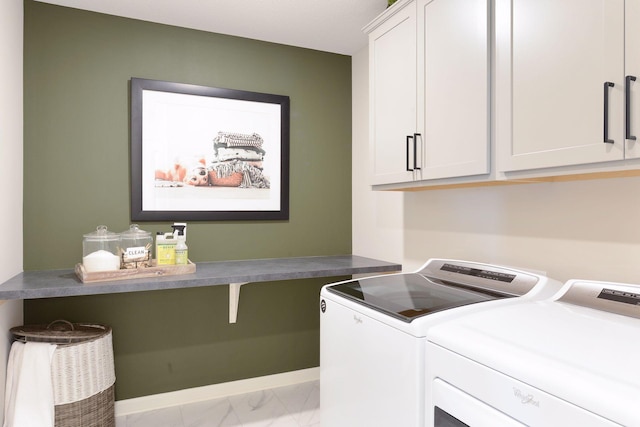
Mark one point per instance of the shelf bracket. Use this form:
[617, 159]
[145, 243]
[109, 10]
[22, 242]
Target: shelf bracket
[234, 299]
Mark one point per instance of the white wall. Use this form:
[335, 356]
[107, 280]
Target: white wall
[586, 229]
[377, 216]
[11, 122]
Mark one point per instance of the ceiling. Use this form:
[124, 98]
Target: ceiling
[326, 25]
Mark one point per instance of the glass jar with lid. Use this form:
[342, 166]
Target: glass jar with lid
[136, 247]
[101, 250]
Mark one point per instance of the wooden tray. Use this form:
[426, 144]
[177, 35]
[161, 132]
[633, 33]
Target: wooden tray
[133, 273]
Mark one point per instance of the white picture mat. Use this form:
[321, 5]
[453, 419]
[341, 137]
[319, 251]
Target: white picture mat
[181, 128]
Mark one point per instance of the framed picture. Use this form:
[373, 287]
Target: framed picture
[203, 153]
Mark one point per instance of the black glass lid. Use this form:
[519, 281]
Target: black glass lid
[409, 296]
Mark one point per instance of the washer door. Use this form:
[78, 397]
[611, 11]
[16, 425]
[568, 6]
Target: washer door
[408, 296]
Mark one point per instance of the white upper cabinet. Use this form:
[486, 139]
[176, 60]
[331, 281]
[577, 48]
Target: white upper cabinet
[453, 87]
[429, 91]
[632, 79]
[392, 97]
[474, 91]
[560, 82]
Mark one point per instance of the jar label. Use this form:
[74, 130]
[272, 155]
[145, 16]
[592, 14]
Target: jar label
[136, 257]
[137, 253]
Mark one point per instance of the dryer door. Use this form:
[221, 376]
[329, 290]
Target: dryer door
[468, 393]
[455, 408]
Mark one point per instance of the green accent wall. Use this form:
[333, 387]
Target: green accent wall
[77, 67]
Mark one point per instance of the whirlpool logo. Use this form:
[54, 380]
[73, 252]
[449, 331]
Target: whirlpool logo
[525, 399]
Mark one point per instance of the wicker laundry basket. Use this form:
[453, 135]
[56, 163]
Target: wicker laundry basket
[82, 371]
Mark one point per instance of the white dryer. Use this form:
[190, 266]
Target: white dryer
[571, 360]
[373, 335]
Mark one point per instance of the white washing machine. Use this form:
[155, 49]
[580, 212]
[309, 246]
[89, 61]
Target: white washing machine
[373, 335]
[572, 360]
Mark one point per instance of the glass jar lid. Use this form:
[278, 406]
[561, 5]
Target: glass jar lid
[135, 233]
[101, 234]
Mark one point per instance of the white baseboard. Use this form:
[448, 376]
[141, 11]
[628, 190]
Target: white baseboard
[214, 391]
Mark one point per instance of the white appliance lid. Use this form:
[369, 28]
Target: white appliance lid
[409, 296]
[439, 285]
[578, 353]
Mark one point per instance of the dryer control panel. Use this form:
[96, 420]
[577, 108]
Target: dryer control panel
[619, 298]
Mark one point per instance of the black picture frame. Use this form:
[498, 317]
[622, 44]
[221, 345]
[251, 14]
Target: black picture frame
[236, 136]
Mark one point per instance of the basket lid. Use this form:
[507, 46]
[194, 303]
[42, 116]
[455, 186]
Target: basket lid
[60, 332]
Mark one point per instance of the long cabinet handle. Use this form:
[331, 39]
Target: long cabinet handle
[607, 85]
[627, 110]
[415, 151]
[409, 138]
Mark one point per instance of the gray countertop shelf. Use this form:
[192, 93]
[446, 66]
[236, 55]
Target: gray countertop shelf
[65, 283]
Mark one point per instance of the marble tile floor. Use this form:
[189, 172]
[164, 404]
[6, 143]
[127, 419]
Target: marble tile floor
[291, 406]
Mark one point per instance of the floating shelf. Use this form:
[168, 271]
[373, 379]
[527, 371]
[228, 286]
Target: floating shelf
[65, 283]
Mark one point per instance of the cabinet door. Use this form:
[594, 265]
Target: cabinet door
[453, 87]
[632, 68]
[392, 80]
[553, 61]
